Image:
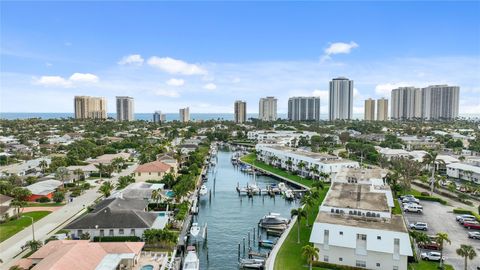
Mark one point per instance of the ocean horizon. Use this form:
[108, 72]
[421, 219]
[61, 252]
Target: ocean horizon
[169, 116]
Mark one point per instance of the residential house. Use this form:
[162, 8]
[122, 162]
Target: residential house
[5, 209]
[24, 168]
[464, 171]
[43, 189]
[154, 170]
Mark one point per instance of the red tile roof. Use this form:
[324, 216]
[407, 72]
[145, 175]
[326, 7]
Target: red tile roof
[155, 166]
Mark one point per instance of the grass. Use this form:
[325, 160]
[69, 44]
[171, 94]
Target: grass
[425, 265]
[12, 227]
[290, 254]
[49, 204]
[397, 210]
[252, 160]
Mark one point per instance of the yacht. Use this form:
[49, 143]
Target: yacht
[203, 190]
[289, 194]
[195, 230]
[273, 221]
[191, 261]
[282, 187]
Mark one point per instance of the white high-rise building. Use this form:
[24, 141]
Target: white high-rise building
[355, 225]
[382, 109]
[341, 99]
[159, 117]
[406, 103]
[440, 102]
[87, 107]
[369, 114]
[267, 109]
[184, 115]
[125, 109]
[240, 110]
[304, 109]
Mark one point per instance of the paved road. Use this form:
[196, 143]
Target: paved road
[451, 202]
[440, 218]
[48, 225]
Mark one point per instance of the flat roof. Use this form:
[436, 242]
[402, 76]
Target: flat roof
[395, 223]
[361, 173]
[300, 152]
[464, 166]
[356, 196]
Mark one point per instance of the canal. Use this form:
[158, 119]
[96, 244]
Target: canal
[230, 217]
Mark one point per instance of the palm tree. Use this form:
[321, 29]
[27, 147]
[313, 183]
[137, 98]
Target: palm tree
[310, 253]
[101, 169]
[301, 165]
[118, 163]
[318, 185]
[300, 213]
[156, 195]
[79, 173]
[314, 171]
[441, 239]
[124, 181]
[34, 245]
[43, 164]
[62, 174]
[289, 164]
[430, 159]
[468, 252]
[307, 201]
[106, 189]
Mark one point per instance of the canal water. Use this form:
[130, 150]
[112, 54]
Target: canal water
[230, 217]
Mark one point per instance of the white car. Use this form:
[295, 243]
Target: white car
[458, 218]
[413, 208]
[474, 235]
[432, 256]
[419, 226]
[466, 219]
[410, 199]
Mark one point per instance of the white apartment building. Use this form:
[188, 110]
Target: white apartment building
[464, 171]
[341, 99]
[184, 115]
[355, 227]
[282, 156]
[125, 109]
[267, 109]
[283, 137]
[240, 111]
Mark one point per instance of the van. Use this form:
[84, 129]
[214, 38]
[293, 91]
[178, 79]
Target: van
[414, 208]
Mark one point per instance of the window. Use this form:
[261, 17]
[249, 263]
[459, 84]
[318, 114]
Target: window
[120, 231]
[341, 233]
[132, 232]
[325, 258]
[362, 237]
[102, 233]
[379, 237]
[326, 234]
[79, 233]
[378, 264]
[340, 259]
[395, 267]
[362, 264]
[139, 174]
[110, 232]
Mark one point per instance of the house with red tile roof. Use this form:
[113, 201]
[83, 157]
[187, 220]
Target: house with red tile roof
[154, 170]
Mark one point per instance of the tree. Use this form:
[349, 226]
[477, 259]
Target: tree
[118, 163]
[20, 196]
[467, 252]
[62, 174]
[406, 170]
[34, 245]
[43, 164]
[430, 159]
[344, 136]
[124, 181]
[307, 201]
[310, 253]
[79, 173]
[101, 169]
[31, 180]
[106, 189]
[301, 165]
[300, 213]
[289, 164]
[58, 197]
[442, 238]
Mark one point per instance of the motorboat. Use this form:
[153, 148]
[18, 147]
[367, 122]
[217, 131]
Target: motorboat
[282, 187]
[203, 190]
[191, 261]
[251, 263]
[266, 243]
[273, 221]
[195, 230]
[289, 194]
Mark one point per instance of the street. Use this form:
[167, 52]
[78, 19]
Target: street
[53, 222]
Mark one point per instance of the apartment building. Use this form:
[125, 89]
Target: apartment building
[304, 109]
[184, 115]
[125, 108]
[369, 114]
[240, 110]
[382, 109]
[341, 99]
[267, 109]
[87, 107]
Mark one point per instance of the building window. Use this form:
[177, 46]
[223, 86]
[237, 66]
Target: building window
[379, 237]
[340, 259]
[378, 264]
[325, 258]
[395, 267]
[362, 264]
[79, 233]
[362, 237]
[326, 235]
[110, 232]
[102, 233]
[132, 232]
[341, 233]
[120, 231]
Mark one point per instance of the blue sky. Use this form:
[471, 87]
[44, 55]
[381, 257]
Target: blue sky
[207, 54]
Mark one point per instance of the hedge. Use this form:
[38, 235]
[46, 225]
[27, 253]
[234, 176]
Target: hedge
[461, 211]
[433, 199]
[335, 266]
[116, 239]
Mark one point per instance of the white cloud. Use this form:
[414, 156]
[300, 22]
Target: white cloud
[175, 82]
[210, 86]
[385, 89]
[356, 93]
[338, 48]
[53, 81]
[84, 78]
[323, 94]
[133, 59]
[58, 81]
[174, 66]
[167, 93]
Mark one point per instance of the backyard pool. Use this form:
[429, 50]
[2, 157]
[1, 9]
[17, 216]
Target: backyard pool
[147, 267]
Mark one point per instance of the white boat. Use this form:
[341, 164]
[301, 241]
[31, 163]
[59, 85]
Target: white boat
[282, 187]
[203, 190]
[273, 221]
[191, 261]
[289, 194]
[195, 230]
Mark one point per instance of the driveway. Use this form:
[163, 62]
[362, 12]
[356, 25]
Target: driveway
[48, 225]
[440, 218]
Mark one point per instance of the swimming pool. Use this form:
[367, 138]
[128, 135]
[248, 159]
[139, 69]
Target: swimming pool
[147, 267]
[170, 193]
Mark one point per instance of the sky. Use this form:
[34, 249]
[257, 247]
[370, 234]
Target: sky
[206, 55]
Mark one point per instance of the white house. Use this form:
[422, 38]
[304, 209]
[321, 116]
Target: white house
[355, 227]
[23, 168]
[464, 171]
[282, 156]
[284, 137]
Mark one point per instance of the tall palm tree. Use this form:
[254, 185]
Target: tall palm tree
[106, 189]
[314, 171]
[43, 164]
[79, 173]
[467, 252]
[118, 163]
[442, 238]
[430, 159]
[300, 213]
[101, 169]
[311, 254]
[307, 201]
[289, 164]
[301, 165]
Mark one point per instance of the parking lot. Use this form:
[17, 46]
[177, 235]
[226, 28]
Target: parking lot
[440, 218]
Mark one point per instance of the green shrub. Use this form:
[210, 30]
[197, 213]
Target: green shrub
[335, 266]
[461, 211]
[116, 239]
[43, 200]
[424, 193]
[433, 199]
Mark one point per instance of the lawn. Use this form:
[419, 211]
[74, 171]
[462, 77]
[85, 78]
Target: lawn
[252, 160]
[10, 228]
[290, 254]
[424, 265]
[397, 210]
[49, 204]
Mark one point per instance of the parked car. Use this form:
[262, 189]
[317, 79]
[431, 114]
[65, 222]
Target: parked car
[413, 208]
[405, 205]
[474, 235]
[464, 216]
[472, 225]
[419, 226]
[466, 219]
[432, 256]
[410, 199]
[432, 245]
